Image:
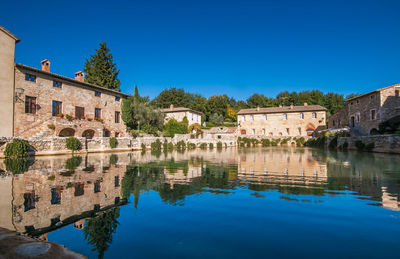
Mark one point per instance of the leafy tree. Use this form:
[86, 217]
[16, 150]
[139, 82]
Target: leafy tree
[217, 119]
[101, 70]
[217, 104]
[231, 114]
[99, 230]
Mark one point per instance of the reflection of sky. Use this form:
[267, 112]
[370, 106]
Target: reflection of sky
[224, 216]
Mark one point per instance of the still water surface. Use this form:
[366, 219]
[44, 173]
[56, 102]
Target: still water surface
[248, 203]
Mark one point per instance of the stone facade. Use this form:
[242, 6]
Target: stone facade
[281, 121]
[7, 48]
[178, 113]
[365, 112]
[37, 103]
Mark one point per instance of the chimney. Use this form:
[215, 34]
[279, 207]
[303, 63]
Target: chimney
[305, 104]
[80, 76]
[258, 108]
[171, 107]
[291, 106]
[45, 65]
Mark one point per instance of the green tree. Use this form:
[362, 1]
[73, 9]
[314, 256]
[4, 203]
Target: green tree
[217, 119]
[99, 230]
[101, 70]
[217, 104]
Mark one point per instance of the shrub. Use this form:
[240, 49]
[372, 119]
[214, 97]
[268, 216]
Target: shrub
[69, 117]
[265, 142]
[211, 145]
[181, 145]
[359, 145]
[374, 132]
[17, 148]
[156, 146]
[113, 142]
[370, 146]
[170, 146]
[17, 165]
[73, 162]
[219, 145]
[226, 145]
[73, 144]
[191, 146]
[203, 145]
[51, 126]
[165, 145]
[285, 141]
[173, 127]
[345, 145]
[143, 146]
[51, 177]
[113, 159]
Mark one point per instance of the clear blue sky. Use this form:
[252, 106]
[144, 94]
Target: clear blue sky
[214, 47]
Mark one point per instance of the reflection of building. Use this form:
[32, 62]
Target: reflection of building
[282, 121]
[363, 113]
[46, 198]
[220, 133]
[178, 113]
[34, 98]
[182, 176]
[282, 166]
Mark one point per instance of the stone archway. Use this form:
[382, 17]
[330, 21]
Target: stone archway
[89, 134]
[66, 132]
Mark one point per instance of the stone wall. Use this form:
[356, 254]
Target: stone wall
[383, 143]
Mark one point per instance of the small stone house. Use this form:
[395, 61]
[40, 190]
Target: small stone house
[37, 103]
[220, 133]
[289, 121]
[178, 113]
[364, 113]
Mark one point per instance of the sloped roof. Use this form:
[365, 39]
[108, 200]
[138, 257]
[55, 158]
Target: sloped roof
[179, 109]
[226, 130]
[285, 109]
[9, 34]
[95, 87]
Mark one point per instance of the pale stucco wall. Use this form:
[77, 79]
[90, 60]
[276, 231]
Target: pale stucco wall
[7, 48]
[192, 117]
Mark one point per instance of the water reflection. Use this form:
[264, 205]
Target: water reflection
[48, 193]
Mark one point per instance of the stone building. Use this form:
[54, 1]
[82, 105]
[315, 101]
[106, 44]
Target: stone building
[282, 121]
[178, 113]
[364, 113]
[38, 103]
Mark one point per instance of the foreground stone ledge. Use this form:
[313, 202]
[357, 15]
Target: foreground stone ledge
[15, 245]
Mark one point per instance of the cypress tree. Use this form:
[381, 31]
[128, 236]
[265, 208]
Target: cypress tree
[101, 70]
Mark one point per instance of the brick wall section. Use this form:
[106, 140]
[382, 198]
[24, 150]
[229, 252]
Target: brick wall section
[70, 94]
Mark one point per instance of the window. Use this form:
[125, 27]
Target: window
[285, 116]
[117, 117]
[372, 96]
[97, 94]
[56, 108]
[373, 114]
[29, 201]
[96, 186]
[116, 181]
[397, 93]
[251, 117]
[314, 115]
[57, 84]
[265, 117]
[243, 118]
[30, 104]
[253, 131]
[29, 77]
[338, 122]
[79, 112]
[299, 130]
[97, 113]
[263, 131]
[117, 98]
[117, 134]
[301, 115]
[351, 103]
[358, 101]
[358, 117]
[333, 123]
[287, 131]
[55, 195]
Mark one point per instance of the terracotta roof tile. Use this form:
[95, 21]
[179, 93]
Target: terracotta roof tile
[282, 109]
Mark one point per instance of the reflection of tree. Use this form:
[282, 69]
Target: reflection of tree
[98, 231]
[72, 163]
[150, 176]
[18, 165]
